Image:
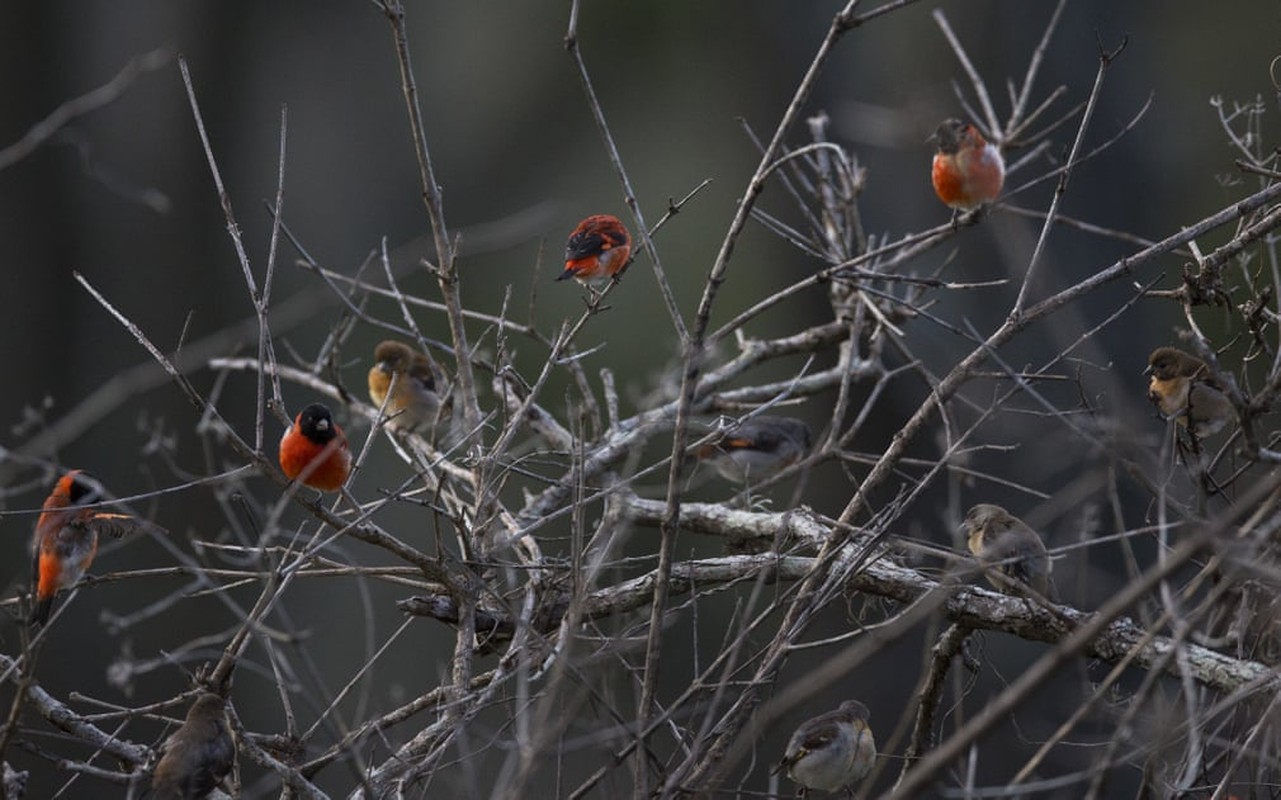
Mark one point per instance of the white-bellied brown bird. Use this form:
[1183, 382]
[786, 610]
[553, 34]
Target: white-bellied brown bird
[1011, 554]
[198, 755]
[412, 379]
[757, 448]
[1184, 389]
[832, 751]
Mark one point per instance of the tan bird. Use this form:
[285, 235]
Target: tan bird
[1183, 388]
[832, 751]
[1011, 554]
[414, 381]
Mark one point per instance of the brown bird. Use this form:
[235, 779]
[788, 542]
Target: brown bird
[198, 755]
[412, 378]
[1011, 554]
[1183, 388]
[831, 751]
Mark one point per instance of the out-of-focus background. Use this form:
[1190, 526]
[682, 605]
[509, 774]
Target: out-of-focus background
[123, 195]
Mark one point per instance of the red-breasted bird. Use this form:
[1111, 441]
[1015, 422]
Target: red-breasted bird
[1011, 554]
[315, 451]
[968, 170]
[198, 755]
[66, 538]
[757, 448]
[597, 250]
[831, 751]
[1183, 388]
[414, 381]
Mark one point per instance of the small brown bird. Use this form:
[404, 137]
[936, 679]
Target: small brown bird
[1183, 388]
[1011, 553]
[831, 751]
[757, 448]
[198, 755]
[414, 381]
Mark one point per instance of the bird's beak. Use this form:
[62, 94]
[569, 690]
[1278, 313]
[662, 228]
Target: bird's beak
[383, 366]
[1147, 370]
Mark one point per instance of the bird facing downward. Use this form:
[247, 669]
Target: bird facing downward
[757, 448]
[968, 170]
[1011, 553]
[314, 449]
[66, 538]
[597, 250]
[1184, 389]
[198, 755]
[413, 380]
[831, 751]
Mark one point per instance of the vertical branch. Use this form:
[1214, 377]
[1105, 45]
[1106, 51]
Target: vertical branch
[446, 268]
[930, 691]
[629, 195]
[233, 229]
[1105, 60]
[692, 359]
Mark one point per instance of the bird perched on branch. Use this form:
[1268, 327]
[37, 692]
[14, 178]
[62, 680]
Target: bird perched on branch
[314, 450]
[198, 755]
[757, 448]
[598, 249]
[412, 379]
[1184, 389]
[831, 751]
[66, 538]
[968, 170]
[1011, 553]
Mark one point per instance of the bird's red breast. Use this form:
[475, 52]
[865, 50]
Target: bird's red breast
[968, 170]
[66, 538]
[314, 450]
[598, 248]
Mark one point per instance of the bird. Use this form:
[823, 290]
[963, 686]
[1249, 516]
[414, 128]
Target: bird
[757, 447]
[968, 170]
[66, 538]
[1011, 553]
[198, 755]
[1184, 389]
[413, 380]
[597, 250]
[831, 751]
[314, 449]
